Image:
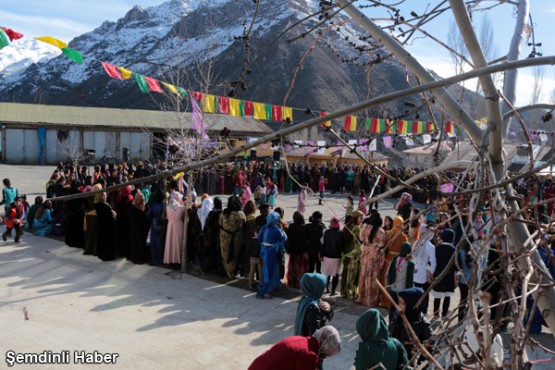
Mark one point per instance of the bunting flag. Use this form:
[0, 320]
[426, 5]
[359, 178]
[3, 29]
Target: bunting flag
[153, 85]
[112, 70]
[363, 145]
[235, 107]
[3, 39]
[259, 111]
[125, 73]
[198, 119]
[321, 147]
[197, 95]
[448, 128]
[12, 35]
[183, 92]
[141, 82]
[74, 55]
[223, 104]
[209, 103]
[392, 128]
[415, 127]
[350, 123]
[268, 111]
[52, 41]
[277, 113]
[429, 126]
[248, 108]
[170, 88]
[368, 124]
[373, 145]
[287, 114]
[426, 138]
[388, 142]
[327, 123]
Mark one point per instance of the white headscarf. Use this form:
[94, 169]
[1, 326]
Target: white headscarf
[329, 341]
[204, 210]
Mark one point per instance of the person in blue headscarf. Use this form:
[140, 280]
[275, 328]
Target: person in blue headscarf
[272, 240]
[312, 312]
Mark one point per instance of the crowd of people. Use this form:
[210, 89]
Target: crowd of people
[251, 238]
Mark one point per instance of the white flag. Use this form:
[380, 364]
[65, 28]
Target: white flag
[298, 142]
[409, 141]
[321, 149]
[352, 142]
[373, 146]
[427, 138]
[543, 138]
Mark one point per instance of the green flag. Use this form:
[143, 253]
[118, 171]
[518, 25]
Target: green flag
[368, 124]
[182, 91]
[74, 55]
[141, 82]
[4, 41]
[268, 109]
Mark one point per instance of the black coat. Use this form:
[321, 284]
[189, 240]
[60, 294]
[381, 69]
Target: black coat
[333, 243]
[297, 239]
[444, 252]
[315, 232]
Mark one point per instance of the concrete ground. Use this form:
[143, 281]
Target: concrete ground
[152, 317]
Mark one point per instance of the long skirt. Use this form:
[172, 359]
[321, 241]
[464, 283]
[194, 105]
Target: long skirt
[270, 270]
[297, 267]
[371, 262]
[351, 286]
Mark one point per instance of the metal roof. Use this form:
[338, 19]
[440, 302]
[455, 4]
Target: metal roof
[58, 115]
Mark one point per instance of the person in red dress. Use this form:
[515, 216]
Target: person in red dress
[300, 353]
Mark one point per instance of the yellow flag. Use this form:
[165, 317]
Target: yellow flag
[259, 111]
[125, 73]
[234, 107]
[208, 105]
[170, 88]
[287, 112]
[52, 41]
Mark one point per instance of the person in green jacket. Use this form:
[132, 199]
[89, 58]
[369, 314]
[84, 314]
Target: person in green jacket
[377, 346]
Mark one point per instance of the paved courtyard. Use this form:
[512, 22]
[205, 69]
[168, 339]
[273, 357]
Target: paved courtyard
[152, 317]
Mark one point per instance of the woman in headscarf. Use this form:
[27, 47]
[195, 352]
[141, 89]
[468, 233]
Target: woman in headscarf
[231, 223]
[300, 353]
[157, 228]
[351, 285]
[74, 217]
[401, 269]
[444, 288]
[272, 240]
[174, 230]
[377, 346]
[372, 259]
[43, 223]
[393, 240]
[297, 248]
[208, 252]
[312, 312]
[122, 205]
[424, 255]
[418, 322]
[315, 232]
[331, 254]
[249, 209]
[404, 206]
[247, 194]
[138, 230]
[33, 210]
[105, 229]
[301, 202]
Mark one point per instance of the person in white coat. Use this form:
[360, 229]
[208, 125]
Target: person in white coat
[424, 257]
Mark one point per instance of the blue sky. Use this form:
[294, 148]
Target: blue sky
[66, 19]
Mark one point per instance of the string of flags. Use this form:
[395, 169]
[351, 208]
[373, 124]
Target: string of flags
[230, 106]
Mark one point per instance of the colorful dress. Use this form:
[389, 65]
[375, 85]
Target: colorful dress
[371, 263]
[351, 285]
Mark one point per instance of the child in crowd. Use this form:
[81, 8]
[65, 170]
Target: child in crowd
[253, 248]
[350, 206]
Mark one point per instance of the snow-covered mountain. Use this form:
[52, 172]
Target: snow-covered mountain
[178, 40]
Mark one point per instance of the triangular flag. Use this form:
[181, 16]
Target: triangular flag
[12, 34]
[183, 92]
[52, 41]
[153, 85]
[112, 70]
[234, 107]
[277, 113]
[3, 39]
[125, 73]
[209, 103]
[287, 114]
[141, 82]
[223, 104]
[74, 55]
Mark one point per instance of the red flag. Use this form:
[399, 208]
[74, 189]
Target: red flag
[197, 95]
[112, 70]
[375, 125]
[324, 124]
[448, 127]
[350, 123]
[223, 104]
[428, 126]
[153, 85]
[414, 127]
[12, 34]
[248, 108]
[277, 113]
